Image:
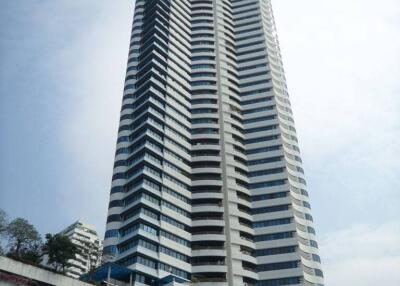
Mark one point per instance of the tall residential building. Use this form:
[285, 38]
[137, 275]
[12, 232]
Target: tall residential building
[85, 237]
[208, 183]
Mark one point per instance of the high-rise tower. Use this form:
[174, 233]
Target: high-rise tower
[207, 182]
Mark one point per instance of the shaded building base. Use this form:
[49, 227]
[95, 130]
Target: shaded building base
[14, 272]
[116, 275]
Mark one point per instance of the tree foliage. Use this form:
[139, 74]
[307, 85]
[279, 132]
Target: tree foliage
[24, 241]
[59, 250]
[92, 253]
[3, 228]
[32, 255]
[3, 221]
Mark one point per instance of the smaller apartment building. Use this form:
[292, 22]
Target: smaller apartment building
[86, 238]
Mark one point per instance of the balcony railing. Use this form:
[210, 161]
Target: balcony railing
[219, 263]
[208, 247]
[247, 238]
[207, 218]
[207, 232]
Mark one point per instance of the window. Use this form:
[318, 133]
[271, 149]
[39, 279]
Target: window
[114, 217]
[269, 196]
[148, 229]
[264, 161]
[174, 253]
[204, 101]
[115, 203]
[174, 238]
[173, 270]
[144, 279]
[247, 84]
[277, 266]
[308, 217]
[269, 209]
[310, 229]
[254, 92]
[122, 151]
[316, 257]
[203, 66]
[279, 281]
[313, 243]
[258, 109]
[272, 222]
[275, 251]
[267, 184]
[203, 82]
[258, 100]
[262, 139]
[111, 249]
[146, 262]
[173, 222]
[319, 272]
[135, 227]
[147, 244]
[264, 149]
[175, 208]
[111, 233]
[176, 194]
[117, 189]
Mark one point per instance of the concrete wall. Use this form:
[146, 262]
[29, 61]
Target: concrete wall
[35, 273]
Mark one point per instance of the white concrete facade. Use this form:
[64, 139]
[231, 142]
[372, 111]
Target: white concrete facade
[85, 237]
[208, 183]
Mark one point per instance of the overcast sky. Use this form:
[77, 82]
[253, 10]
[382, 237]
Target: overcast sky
[62, 67]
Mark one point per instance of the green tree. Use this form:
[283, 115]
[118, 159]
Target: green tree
[59, 250]
[3, 228]
[33, 254]
[3, 221]
[24, 241]
[91, 251]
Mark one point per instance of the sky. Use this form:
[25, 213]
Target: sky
[62, 67]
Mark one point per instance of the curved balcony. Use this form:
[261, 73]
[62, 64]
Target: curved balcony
[198, 170]
[207, 183]
[209, 252]
[208, 236]
[212, 208]
[209, 268]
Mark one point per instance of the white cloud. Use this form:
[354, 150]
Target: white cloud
[362, 255]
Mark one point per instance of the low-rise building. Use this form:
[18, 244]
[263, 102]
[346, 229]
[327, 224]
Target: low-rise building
[85, 237]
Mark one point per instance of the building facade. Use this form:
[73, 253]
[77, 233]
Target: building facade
[85, 237]
[208, 182]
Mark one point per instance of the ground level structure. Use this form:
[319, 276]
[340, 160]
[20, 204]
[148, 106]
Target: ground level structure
[13, 272]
